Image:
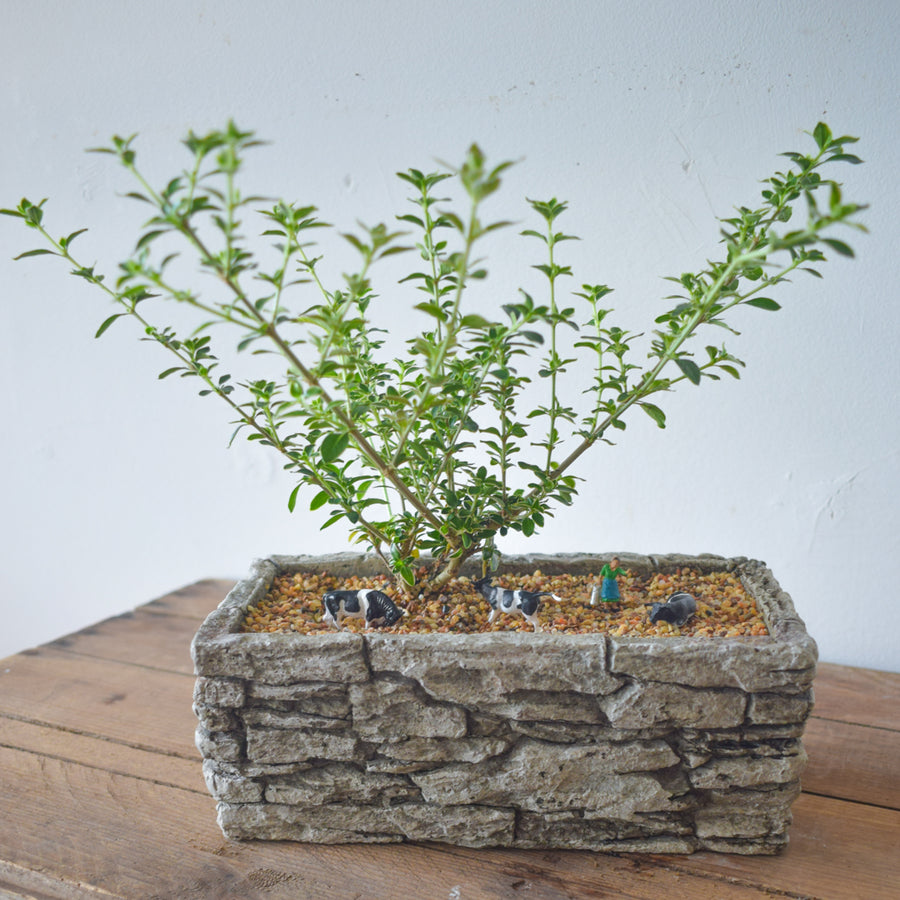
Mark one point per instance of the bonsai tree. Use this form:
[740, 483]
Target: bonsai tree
[435, 451]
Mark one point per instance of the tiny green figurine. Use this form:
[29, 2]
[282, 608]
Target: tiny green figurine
[609, 590]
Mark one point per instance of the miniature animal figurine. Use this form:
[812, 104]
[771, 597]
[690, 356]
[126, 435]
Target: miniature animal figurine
[509, 601]
[677, 609]
[373, 606]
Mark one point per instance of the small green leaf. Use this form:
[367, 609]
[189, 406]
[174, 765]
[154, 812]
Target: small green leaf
[764, 303]
[655, 413]
[107, 323]
[405, 572]
[333, 446]
[839, 246]
[689, 369]
[821, 135]
[474, 321]
[319, 500]
[38, 252]
[147, 237]
[134, 195]
[432, 309]
[169, 372]
[69, 238]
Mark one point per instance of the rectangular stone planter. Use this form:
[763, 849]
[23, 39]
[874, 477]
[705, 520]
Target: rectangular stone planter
[662, 744]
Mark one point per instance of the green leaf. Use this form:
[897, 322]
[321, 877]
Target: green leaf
[38, 252]
[147, 237]
[432, 309]
[821, 135]
[405, 572]
[335, 518]
[333, 446]
[839, 246]
[69, 238]
[655, 413]
[292, 500]
[134, 195]
[319, 500]
[763, 303]
[107, 323]
[168, 372]
[689, 369]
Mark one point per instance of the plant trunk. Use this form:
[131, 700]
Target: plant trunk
[438, 574]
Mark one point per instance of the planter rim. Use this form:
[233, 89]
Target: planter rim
[788, 648]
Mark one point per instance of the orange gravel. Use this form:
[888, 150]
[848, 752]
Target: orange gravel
[724, 608]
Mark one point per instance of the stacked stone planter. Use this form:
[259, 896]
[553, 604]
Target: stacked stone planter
[665, 744]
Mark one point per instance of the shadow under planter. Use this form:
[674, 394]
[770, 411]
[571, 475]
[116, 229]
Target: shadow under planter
[644, 744]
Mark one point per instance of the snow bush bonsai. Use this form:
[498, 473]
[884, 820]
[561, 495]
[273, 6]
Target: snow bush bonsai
[443, 448]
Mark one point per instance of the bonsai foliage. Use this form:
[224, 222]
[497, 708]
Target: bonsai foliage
[444, 448]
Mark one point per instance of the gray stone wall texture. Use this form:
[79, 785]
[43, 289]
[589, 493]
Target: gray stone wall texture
[668, 744]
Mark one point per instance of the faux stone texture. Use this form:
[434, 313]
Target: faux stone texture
[225, 692]
[529, 663]
[339, 783]
[435, 750]
[640, 705]
[540, 776]
[386, 709]
[506, 739]
[268, 745]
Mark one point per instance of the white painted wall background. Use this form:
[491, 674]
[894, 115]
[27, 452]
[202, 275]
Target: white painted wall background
[650, 117]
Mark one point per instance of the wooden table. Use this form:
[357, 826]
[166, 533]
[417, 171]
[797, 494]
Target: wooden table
[101, 794]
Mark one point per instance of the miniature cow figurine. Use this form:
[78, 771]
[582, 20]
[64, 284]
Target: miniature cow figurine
[677, 609]
[504, 600]
[373, 606]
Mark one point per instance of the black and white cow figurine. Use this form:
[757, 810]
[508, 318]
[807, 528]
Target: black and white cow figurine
[373, 606]
[677, 609]
[509, 601]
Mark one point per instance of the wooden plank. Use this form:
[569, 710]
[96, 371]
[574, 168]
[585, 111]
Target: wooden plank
[17, 883]
[137, 839]
[837, 850]
[853, 762]
[859, 696]
[194, 601]
[133, 705]
[99, 753]
[123, 835]
[157, 640]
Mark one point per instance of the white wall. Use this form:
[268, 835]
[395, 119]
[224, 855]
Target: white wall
[651, 117]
